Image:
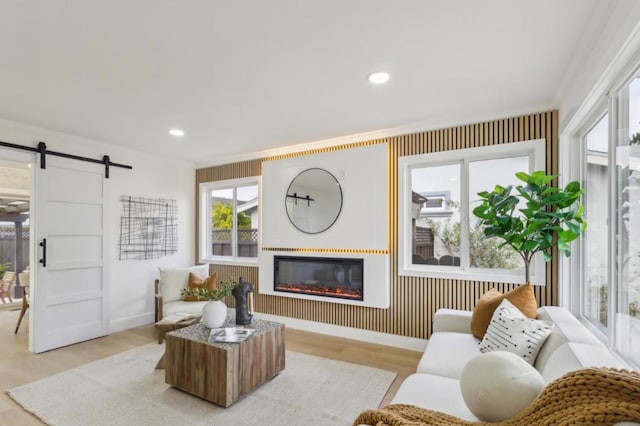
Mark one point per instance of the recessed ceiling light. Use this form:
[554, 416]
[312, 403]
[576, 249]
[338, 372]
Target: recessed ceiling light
[378, 77]
[176, 132]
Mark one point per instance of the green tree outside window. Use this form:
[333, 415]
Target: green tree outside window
[222, 217]
[483, 253]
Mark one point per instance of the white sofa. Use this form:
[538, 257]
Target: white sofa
[436, 383]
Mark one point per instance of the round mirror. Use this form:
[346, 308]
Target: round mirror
[314, 201]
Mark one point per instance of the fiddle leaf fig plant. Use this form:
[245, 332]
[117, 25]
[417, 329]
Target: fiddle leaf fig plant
[533, 217]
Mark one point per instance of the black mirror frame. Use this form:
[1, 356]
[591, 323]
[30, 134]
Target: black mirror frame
[308, 200]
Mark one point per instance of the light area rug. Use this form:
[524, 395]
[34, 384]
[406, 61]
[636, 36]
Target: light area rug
[125, 389]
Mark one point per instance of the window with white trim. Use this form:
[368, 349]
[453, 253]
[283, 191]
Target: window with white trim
[610, 250]
[229, 215]
[438, 233]
[594, 253]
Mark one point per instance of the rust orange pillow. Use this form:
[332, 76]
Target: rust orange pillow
[522, 297]
[196, 282]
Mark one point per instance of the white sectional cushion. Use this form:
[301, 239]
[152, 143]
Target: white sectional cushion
[498, 385]
[447, 353]
[182, 307]
[437, 382]
[509, 330]
[434, 393]
[452, 320]
[566, 329]
[574, 356]
[173, 280]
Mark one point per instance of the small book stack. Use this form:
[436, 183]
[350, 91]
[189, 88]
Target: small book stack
[229, 334]
[176, 318]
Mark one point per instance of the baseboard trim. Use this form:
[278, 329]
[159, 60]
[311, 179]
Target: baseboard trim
[131, 322]
[410, 343]
[403, 342]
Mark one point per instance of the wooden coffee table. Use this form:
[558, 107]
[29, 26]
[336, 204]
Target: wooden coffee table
[224, 372]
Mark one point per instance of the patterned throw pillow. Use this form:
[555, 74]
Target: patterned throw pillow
[522, 297]
[509, 330]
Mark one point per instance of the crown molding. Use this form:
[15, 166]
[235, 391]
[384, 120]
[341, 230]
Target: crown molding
[433, 123]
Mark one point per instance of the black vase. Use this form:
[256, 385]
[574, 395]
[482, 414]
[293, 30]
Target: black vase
[240, 293]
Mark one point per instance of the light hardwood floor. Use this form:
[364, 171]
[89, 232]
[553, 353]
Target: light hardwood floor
[18, 366]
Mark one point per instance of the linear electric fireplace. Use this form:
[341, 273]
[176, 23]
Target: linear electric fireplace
[319, 276]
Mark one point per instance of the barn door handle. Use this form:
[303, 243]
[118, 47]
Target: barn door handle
[43, 244]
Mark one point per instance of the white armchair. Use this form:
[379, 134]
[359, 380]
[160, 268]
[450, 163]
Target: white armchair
[168, 297]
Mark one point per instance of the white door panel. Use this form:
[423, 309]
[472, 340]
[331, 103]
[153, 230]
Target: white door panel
[64, 316]
[74, 218]
[69, 249]
[75, 281]
[87, 186]
[70, 296]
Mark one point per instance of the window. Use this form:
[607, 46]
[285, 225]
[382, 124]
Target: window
[594, 240]
[436, 203]
[627, 176]
[610, 249]
[229, 221]
[439, 236]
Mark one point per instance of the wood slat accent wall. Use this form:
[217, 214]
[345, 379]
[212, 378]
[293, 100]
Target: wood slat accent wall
[414, 300]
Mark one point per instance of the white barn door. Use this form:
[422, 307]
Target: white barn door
[70, 296]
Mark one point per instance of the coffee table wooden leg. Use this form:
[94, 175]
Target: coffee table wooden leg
[160, 364]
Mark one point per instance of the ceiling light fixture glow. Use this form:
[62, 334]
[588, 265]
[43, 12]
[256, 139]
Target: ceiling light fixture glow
[176, 132]
[378, 77]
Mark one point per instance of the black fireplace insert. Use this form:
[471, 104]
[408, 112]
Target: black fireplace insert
[319, 276]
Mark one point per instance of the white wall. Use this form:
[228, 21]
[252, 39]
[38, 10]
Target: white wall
[362, 224]
[131, 281]
[583, 77]
[363, 221]
[582, 98]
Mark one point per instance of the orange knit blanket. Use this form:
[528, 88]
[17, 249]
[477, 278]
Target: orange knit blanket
[590, 396]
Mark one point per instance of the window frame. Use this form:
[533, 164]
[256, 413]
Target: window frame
[205, 226]
[534, 149]
[579, 255]
[574, 142]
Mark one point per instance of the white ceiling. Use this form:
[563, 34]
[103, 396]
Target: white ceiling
[246, 76]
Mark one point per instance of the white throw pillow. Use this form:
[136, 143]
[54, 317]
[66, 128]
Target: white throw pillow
[509, 330]
[173, 280]
[498, 385]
